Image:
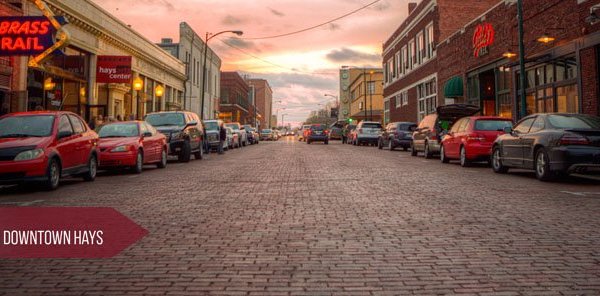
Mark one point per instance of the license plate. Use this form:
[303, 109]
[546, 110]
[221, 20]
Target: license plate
[318, 133]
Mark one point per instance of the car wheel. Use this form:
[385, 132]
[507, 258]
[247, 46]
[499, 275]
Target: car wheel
[413, 150]
[542, 166]
[52, 179]
[163, 159]
[90, 175]
[186, 152]
[464, 162]
[428, 153]
[379, 144]
[139, 163]
[390, 145]
[199, 154]
[443, 157]
[497, 165]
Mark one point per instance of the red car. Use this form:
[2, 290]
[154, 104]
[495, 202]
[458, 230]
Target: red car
[471, 138]
[45, 146]
[131, 144]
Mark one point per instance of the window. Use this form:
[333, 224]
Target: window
[524, 126]
[420, 48]
[567, 99]
[429, 40]
[386, 74]
[398, 64]
[427, 98]
[391, 70]
[537, 125]
[64, 125]
[77, 125]
[386, 111]
[404, 60]
[402, 99]
[411, 54]
[371, 87]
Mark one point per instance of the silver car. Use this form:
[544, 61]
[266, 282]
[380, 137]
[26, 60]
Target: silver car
[367, 132]
[213, 134]
[239, 130]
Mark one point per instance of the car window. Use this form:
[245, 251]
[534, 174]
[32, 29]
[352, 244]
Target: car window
[456, 126]
[574, 122]
[524, 126]
[64, 125]
[119, 130]
[26, 126]
[77, 125]
[317, 127]
[464, 124]
[406, 127]
[371, 125]
[166, 119]
[492, 125]
[537, 125]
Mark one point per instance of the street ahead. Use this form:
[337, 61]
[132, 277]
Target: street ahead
[290, 218]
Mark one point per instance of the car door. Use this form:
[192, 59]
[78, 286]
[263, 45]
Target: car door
[528, 140]
[81, 142]
[512, 146]
[157, 142]
[451, 140]
[147, 143]
[461, 136]
[67, 144]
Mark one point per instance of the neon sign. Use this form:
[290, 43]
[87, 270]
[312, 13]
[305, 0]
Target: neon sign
[62, 35]
[25, 36]
[482, 39]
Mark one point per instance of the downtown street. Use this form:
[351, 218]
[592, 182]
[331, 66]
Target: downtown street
[327, 220]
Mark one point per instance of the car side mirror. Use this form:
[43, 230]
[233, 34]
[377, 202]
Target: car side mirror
[508, 130]
[191, 123]
[64, 134]
[147, 134]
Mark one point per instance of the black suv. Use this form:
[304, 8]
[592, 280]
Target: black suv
[397, 134]
[184, 132]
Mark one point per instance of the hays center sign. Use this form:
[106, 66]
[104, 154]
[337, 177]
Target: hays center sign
[113, 69]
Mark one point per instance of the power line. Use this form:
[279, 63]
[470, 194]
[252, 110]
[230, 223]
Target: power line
[316, 26]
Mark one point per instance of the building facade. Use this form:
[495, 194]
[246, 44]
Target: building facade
[190, 50]
[366, 94]
[264, 100]
[479, 64]
[410, 55]
[12, 76]
[235, 99]
[67, 81]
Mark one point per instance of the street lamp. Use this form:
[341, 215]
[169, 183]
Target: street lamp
[138, 84]
[210, 36]
[159, 91]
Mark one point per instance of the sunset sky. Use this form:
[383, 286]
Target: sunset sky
[301, 68]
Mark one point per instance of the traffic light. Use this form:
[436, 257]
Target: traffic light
[350, 120]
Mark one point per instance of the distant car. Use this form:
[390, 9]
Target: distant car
[213, 133]
[551, 144]
[367, 132]
[350, 133]
[252, 136]
[304, 132]
[232, 139]
[45, 146]
[470, 139]
[335, 132]
[428, 135]
[239, 130]
[318, 133]
[397, 134]
[266, 135]
[131, 144]
[183, 130]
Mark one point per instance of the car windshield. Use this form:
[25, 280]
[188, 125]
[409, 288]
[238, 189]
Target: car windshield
[26, 126]
[266, 131]
[165, 119]
[317, 128]
[574, 122]
[233, 126]
[406, 127]
[119, 130]
[492, 125]
[306, 127]
[371, 125]
[351, 127]
[211, 126]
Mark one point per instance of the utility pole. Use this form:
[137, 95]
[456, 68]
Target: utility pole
[522, 81]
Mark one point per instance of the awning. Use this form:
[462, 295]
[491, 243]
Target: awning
[454, 87]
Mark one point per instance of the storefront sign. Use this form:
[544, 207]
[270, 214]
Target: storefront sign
[114, 69]
[25, 35]
[482, 39]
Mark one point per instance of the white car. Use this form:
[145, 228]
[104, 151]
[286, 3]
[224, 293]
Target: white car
[367, 132]
[239, 130]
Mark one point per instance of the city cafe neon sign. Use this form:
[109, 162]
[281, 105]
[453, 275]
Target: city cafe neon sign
[35, 36]
[482, 39]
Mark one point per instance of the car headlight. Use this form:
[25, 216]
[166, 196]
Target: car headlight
[30, 155]
[123, 148]
[176, 135]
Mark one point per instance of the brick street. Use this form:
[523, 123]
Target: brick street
[287, 218]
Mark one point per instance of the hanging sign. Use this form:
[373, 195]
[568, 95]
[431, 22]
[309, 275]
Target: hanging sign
[113, 69]
[482, 39]
[25, 35]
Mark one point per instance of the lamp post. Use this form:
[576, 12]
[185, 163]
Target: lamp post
[159, 91]
[210, 36]
[138, 84]
[522, 80]
[276, 113]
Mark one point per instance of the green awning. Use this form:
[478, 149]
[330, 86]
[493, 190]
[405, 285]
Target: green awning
[454, 87]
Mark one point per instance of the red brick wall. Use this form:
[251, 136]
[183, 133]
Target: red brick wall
[589, 81]
[10, 10]
[455, 14]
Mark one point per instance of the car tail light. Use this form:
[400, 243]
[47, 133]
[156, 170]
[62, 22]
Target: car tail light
[327, 132]
[573, 139]
[434, 137]
[360, 130]
[475, 137]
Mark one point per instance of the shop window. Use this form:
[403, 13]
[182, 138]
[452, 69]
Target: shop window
[567, 100]
[549, 74]
[530, 78]
[505, 105]
[404, 59]
[427, 97]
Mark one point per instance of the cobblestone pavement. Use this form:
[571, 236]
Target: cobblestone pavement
[286, 218]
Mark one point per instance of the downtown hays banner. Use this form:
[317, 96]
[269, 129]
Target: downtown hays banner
[113, 69]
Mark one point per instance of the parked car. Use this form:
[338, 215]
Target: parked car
[318, 133]
[470, 139]
[212, 129]
[239, 130]
[45, 146]
[367, 132]
[131, 144]
[183, 130]
[232, 139]
[350, 133]
[397, 134]
[266, 135]
[335, 131]
[251, 134]
[428, 135]
[551, 144]
[304, 132]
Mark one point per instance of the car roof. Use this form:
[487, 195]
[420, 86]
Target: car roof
[489, 118]
[41, 113]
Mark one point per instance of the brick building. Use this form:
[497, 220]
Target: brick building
[410, 55]
[264, 101]
[12, 79]
[479, 63]
[366, 94]
[234, 105]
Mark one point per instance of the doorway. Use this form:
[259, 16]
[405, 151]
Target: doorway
[487, 84]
